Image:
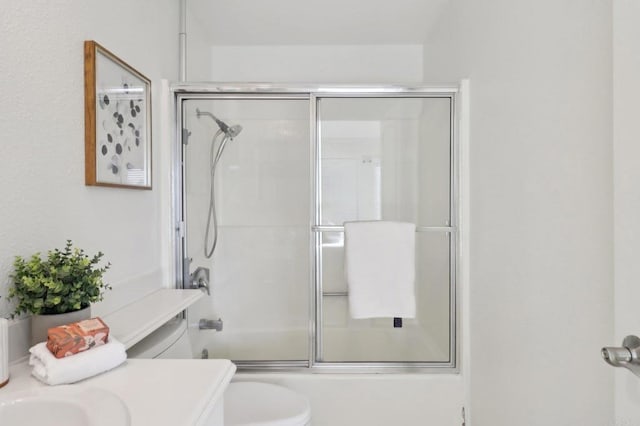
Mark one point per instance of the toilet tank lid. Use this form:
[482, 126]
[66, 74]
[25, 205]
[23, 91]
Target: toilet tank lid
[264, 404]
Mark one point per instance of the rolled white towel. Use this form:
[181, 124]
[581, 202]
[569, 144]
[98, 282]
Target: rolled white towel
[57, 371]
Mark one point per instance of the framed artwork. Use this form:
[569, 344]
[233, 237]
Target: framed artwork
[117, 121]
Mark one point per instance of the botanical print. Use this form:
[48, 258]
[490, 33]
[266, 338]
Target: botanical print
[121, 122]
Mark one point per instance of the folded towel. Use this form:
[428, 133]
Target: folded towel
[380, 269]
[53, 371]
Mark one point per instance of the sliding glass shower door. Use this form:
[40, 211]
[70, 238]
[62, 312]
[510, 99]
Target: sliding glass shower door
[270, 175]
[388, 159]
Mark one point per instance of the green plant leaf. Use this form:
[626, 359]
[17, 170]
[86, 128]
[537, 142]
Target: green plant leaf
[66, 280]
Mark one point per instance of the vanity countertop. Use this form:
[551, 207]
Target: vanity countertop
[171, 392]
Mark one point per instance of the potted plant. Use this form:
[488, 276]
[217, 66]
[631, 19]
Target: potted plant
[58, 289]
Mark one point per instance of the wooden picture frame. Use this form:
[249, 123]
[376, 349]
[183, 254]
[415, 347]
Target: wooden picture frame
[117, 121]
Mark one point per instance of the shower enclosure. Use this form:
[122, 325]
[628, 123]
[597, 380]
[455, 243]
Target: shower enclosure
[308, 159]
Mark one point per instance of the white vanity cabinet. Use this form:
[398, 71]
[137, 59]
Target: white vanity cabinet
[159, 392]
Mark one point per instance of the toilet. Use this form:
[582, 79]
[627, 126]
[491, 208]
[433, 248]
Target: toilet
[246, 403]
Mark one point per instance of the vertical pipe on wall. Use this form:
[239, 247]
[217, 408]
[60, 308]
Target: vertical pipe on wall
[183, 41]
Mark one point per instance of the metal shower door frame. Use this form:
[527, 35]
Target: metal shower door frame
[260, 91]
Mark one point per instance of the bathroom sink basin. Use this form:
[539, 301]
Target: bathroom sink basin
[63, 405]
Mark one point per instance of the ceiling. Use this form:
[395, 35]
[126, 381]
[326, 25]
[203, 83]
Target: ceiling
[314, 22]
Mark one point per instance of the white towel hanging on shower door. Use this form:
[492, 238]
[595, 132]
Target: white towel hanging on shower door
[380, 269]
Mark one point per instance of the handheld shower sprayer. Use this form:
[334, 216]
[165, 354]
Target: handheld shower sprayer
[230, 132]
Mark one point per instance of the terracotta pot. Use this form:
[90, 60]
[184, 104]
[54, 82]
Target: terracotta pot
[40, 324]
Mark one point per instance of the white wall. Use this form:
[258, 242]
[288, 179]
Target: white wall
[44, 199]
[541, 202]
[626, 91]
[198, 50]
[318, 64]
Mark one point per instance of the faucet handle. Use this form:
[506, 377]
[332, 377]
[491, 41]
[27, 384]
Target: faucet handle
[200, 279]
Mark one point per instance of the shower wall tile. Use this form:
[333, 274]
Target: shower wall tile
[260, 278]
[265, 177]
[196, 224]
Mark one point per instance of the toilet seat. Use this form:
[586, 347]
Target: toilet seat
[264, 404]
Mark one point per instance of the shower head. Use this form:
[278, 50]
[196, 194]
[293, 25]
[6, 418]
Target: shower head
[234, 131]
[230, 131]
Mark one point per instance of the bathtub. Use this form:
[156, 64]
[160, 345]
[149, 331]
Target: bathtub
[336, 399]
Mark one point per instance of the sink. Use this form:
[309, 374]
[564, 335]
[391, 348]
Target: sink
[64, 406]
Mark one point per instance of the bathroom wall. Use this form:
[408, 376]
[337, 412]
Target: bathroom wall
[626, 91]
[44, 199]
[198, 50]
[541, 299]
[318, 63]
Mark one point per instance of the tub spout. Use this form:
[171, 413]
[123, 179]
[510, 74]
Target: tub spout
[627, 355]
[208, 324]
[616, 356]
